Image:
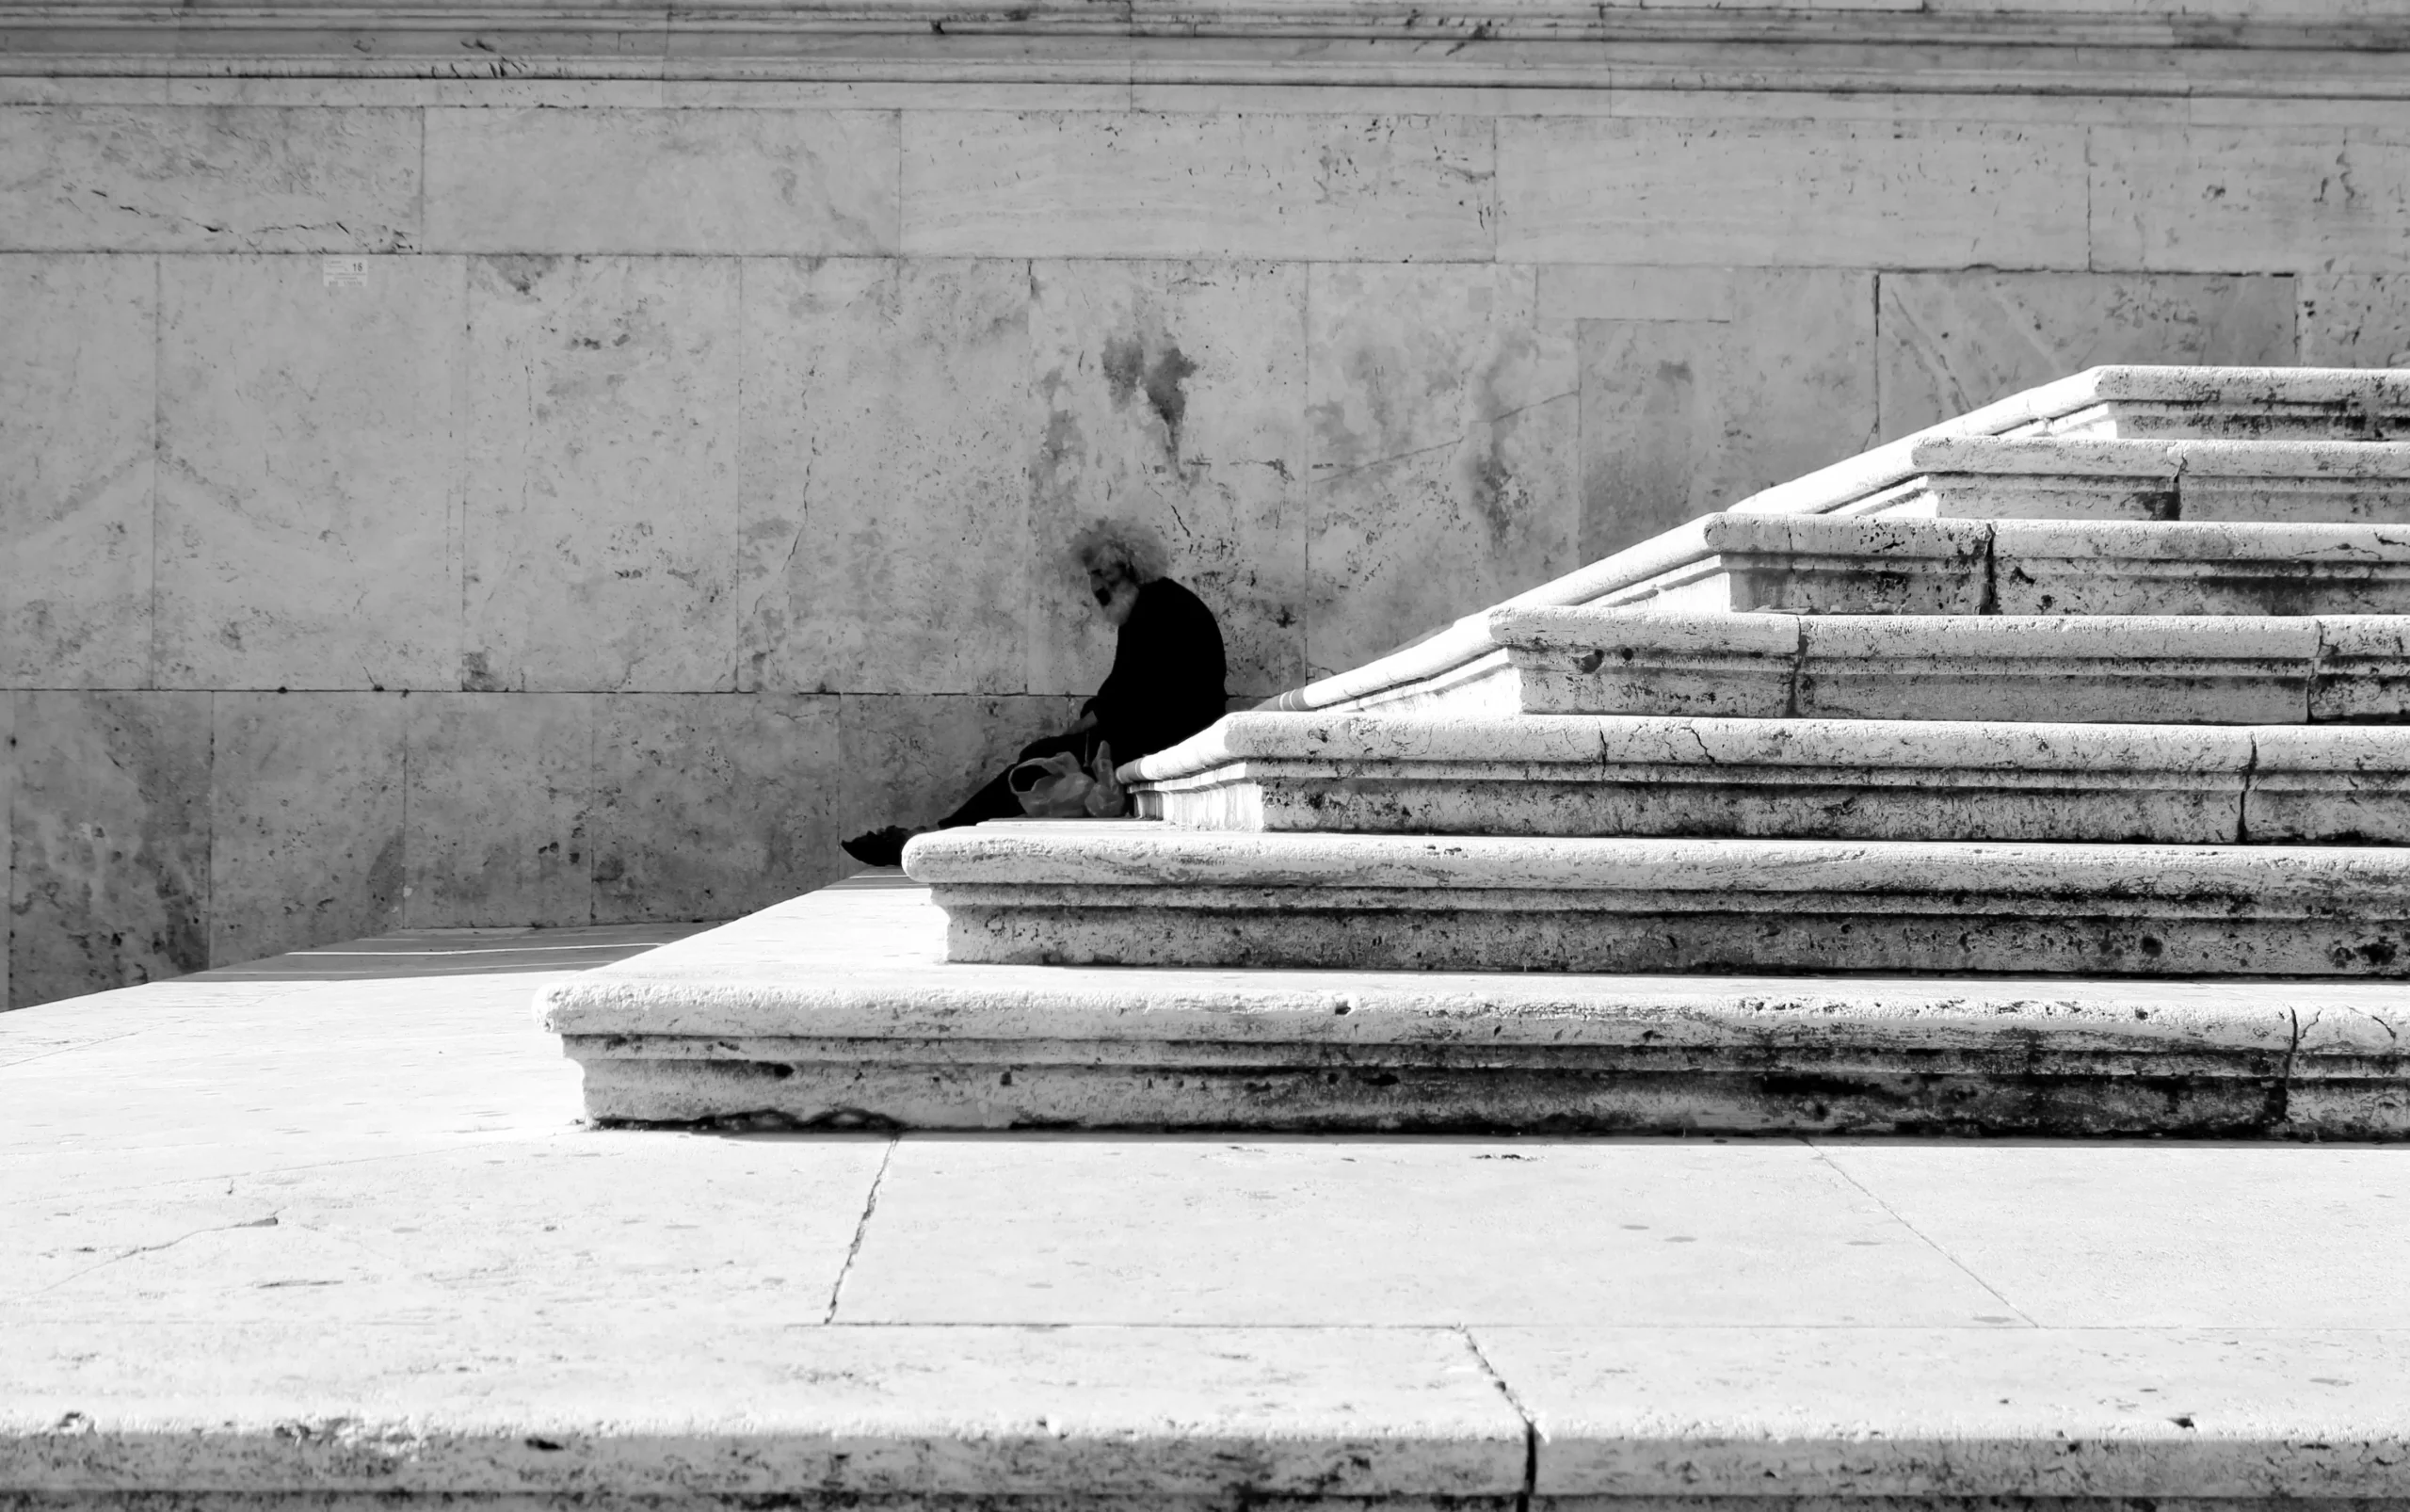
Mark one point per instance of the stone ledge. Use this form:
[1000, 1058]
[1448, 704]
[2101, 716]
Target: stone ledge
[835, 1010]
[1803, 778]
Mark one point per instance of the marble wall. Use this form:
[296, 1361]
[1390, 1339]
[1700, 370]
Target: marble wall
[684, 484]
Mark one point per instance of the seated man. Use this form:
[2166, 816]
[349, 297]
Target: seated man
[1166, 684]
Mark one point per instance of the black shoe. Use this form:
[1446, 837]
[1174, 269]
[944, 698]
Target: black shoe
[879, 847]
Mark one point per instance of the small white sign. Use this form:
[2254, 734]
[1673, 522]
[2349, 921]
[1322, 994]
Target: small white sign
[346, 272]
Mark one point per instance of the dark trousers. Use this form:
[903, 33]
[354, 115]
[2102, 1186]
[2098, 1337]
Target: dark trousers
[996, 799]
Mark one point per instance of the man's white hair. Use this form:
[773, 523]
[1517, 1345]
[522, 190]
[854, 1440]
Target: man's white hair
[1111, 546]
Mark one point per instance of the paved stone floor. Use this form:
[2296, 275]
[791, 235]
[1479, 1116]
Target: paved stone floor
[330, 1224]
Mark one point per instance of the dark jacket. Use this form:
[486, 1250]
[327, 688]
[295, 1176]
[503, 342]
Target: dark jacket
[1167, 680]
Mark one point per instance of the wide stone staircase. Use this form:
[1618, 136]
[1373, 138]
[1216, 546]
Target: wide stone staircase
[2042, 771]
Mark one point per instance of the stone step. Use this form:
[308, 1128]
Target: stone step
[1791, 778]
[1897, 565]
[2166, 403]
[2077, 477]
[2110, 668]
[1141, 894]
[838, 1010]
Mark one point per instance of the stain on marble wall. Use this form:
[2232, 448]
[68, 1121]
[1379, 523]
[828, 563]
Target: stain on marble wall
[1441, 420]
[1171, 396]
[2352, 320]
[137, 178]
[1700, 386]
[78, 391]
[1953, 342]
[886, 426]
[308, 480]
[707, 806]
[600, 514]
[305, 820]
[497, 789]
[110, 833]
[756, 181]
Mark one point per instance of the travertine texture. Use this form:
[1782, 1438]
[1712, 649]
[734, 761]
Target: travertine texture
[309, 495]
[77, 387]
[779, 182]
[306, 829]
[845, 994]
[1443, 416]
[602, 507]
[498, 797]
[1953, 341]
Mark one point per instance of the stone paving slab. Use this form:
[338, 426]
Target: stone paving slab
[339, 1243]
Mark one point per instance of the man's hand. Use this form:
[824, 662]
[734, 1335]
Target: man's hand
[1082, 724]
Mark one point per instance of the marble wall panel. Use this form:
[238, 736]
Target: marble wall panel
[2331, 200]
[1789, 193]
[497, 789]
[8, 834]
[1952, 342]
[305, 821]
[1680, 417]
[912, 759]
[601, 520]
[1067, 184]
[200, 178]
[2352, 320]
[759, 181]
[1441, 424]
[887, 431]
[1173, 398]
[711, 806]
[110, 829]
[78, 386]
[308, 475]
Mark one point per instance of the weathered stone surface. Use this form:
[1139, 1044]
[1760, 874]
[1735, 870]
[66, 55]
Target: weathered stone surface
[306, 820]
[2329, 786]
[77, 397]
[2253, 1217]
[602, 506]
[1443, 429]
[1804, 779]
[1953, 341]
[2153, 670]
[496, 798]
[1081, 183]
[885, 488]
[1789, 193]
[2336, 199]
[1633, 661]
[708, 1027]
[2116, 567]
[1134, 894]
[2355, 319]
[139, 179]
[2180, 1413]
[1406, 1230]
[110, 839]
[2362, 669]
[308, 475]
[911, 759]
[1172, 394]
[709, 806]
[760, 182]
[1815, 564]
[1682, 415]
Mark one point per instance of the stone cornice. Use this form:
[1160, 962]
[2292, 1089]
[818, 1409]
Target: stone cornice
[2181, 48]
